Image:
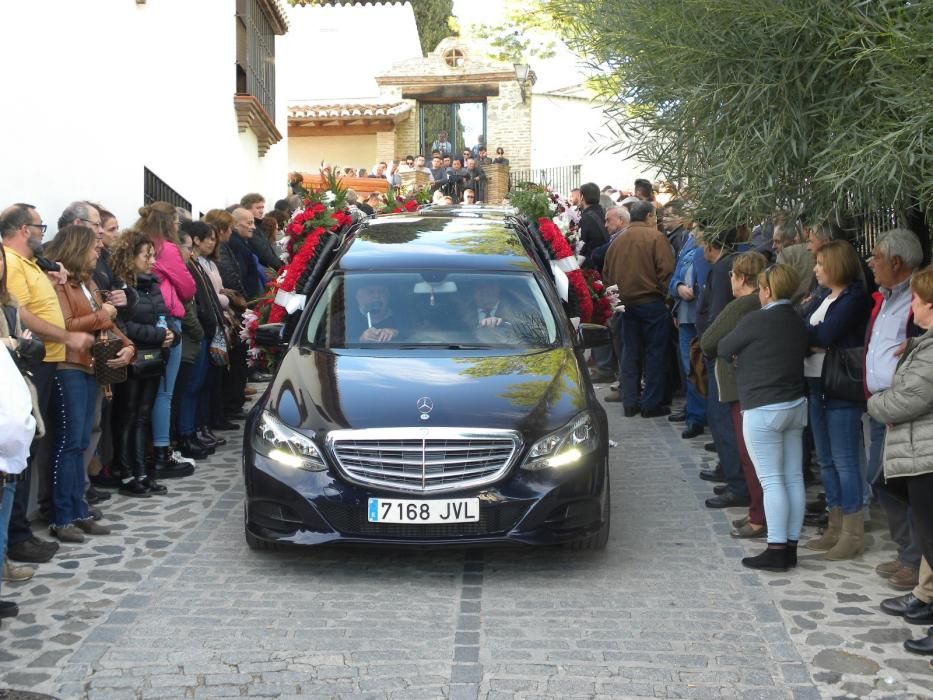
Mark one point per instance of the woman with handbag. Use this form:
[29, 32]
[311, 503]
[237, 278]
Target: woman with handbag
[236, 378]
[836, 323]
[159, 221]
[907, 409]
[210, 309]
[197, 330]
[768, 347]
[76, 385]
[211, 403]
[132, 259]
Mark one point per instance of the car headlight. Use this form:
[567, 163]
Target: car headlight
[282, 444]
[564, 447]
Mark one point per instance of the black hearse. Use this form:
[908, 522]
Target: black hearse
[433, 392]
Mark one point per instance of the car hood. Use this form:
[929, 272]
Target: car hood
[533, 392]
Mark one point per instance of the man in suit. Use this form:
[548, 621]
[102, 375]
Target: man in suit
[489, 311]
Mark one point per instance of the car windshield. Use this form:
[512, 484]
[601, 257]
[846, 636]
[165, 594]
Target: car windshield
[431, 309]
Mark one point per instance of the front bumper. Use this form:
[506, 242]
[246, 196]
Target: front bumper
[286, 505]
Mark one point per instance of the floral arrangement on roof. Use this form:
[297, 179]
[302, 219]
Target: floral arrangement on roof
[322, 216]
[411, 202]
[558, 223]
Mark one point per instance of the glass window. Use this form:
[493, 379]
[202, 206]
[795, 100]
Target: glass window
[452, 128]
[431, 309]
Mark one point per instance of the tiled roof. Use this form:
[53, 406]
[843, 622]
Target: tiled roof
[348, 111]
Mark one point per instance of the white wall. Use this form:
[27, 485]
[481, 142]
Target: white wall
[96, 90]
[305, 153]
[570, 130]
[338, 50]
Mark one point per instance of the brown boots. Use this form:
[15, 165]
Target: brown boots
[844, 536]
[852, 540]
[830, 534]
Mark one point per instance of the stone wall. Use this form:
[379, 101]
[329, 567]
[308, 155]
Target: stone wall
[508, 121]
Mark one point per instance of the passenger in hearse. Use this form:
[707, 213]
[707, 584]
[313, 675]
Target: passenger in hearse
[372, 320]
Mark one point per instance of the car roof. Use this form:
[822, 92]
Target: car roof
[434, 241]
[484, 211]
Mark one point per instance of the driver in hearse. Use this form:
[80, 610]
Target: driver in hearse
[372, 319]
[490, 307]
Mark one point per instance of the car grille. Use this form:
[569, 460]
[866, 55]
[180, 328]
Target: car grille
[351, 520]
[424, 460]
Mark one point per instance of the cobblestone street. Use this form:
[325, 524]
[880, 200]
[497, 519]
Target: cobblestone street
[175, 605]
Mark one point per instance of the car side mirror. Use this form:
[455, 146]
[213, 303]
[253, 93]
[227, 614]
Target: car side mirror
[271, 336]
[593, 335]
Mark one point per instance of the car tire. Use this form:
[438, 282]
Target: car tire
[598, 540]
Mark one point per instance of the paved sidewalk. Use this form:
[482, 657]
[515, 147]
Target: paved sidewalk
[175, 605]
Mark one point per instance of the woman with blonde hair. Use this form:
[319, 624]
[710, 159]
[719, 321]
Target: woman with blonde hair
[75, 388]
[768, 348]
[837, 319]
[907, 409]
[159, 222]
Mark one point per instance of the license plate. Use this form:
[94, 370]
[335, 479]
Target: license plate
[391, 510]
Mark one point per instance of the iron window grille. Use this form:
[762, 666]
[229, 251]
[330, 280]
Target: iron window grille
[156, 190]
[255, 54]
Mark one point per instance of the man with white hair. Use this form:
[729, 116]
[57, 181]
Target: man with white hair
[895, 257]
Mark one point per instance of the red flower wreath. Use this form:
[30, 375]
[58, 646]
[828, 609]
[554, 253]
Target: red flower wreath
[556, 242]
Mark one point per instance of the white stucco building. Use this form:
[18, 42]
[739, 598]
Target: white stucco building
[116, 100]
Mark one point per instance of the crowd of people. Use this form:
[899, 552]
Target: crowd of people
[794, 353]
[126, 344]
[451, 178]
[790, 349]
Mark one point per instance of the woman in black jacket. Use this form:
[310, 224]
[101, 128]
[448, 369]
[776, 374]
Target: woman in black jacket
[837, 320]
[132, 259]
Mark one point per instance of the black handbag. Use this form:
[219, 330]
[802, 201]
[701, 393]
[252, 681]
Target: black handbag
[844, 374]
[149, 362]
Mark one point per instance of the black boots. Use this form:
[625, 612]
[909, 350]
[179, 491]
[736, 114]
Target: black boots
[134, 488]
[774, 558]
[166, 467]
[189, 446]
[208, 439]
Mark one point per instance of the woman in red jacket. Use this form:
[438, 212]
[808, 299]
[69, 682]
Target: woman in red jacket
[75, 390]
[159, 221]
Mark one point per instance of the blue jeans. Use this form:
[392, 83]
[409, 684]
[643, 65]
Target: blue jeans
[774, 438]
[837, 436]
[75, 399]
[189, 394]
[162, 410]
[7, 494]
[645, 337]
[696, 404]
[719, 415]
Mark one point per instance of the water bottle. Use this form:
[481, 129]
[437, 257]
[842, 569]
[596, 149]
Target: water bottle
[162, 323]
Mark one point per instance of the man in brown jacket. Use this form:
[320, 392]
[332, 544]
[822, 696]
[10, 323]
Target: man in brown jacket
[641, 263]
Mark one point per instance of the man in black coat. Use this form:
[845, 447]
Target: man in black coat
[592, 221]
